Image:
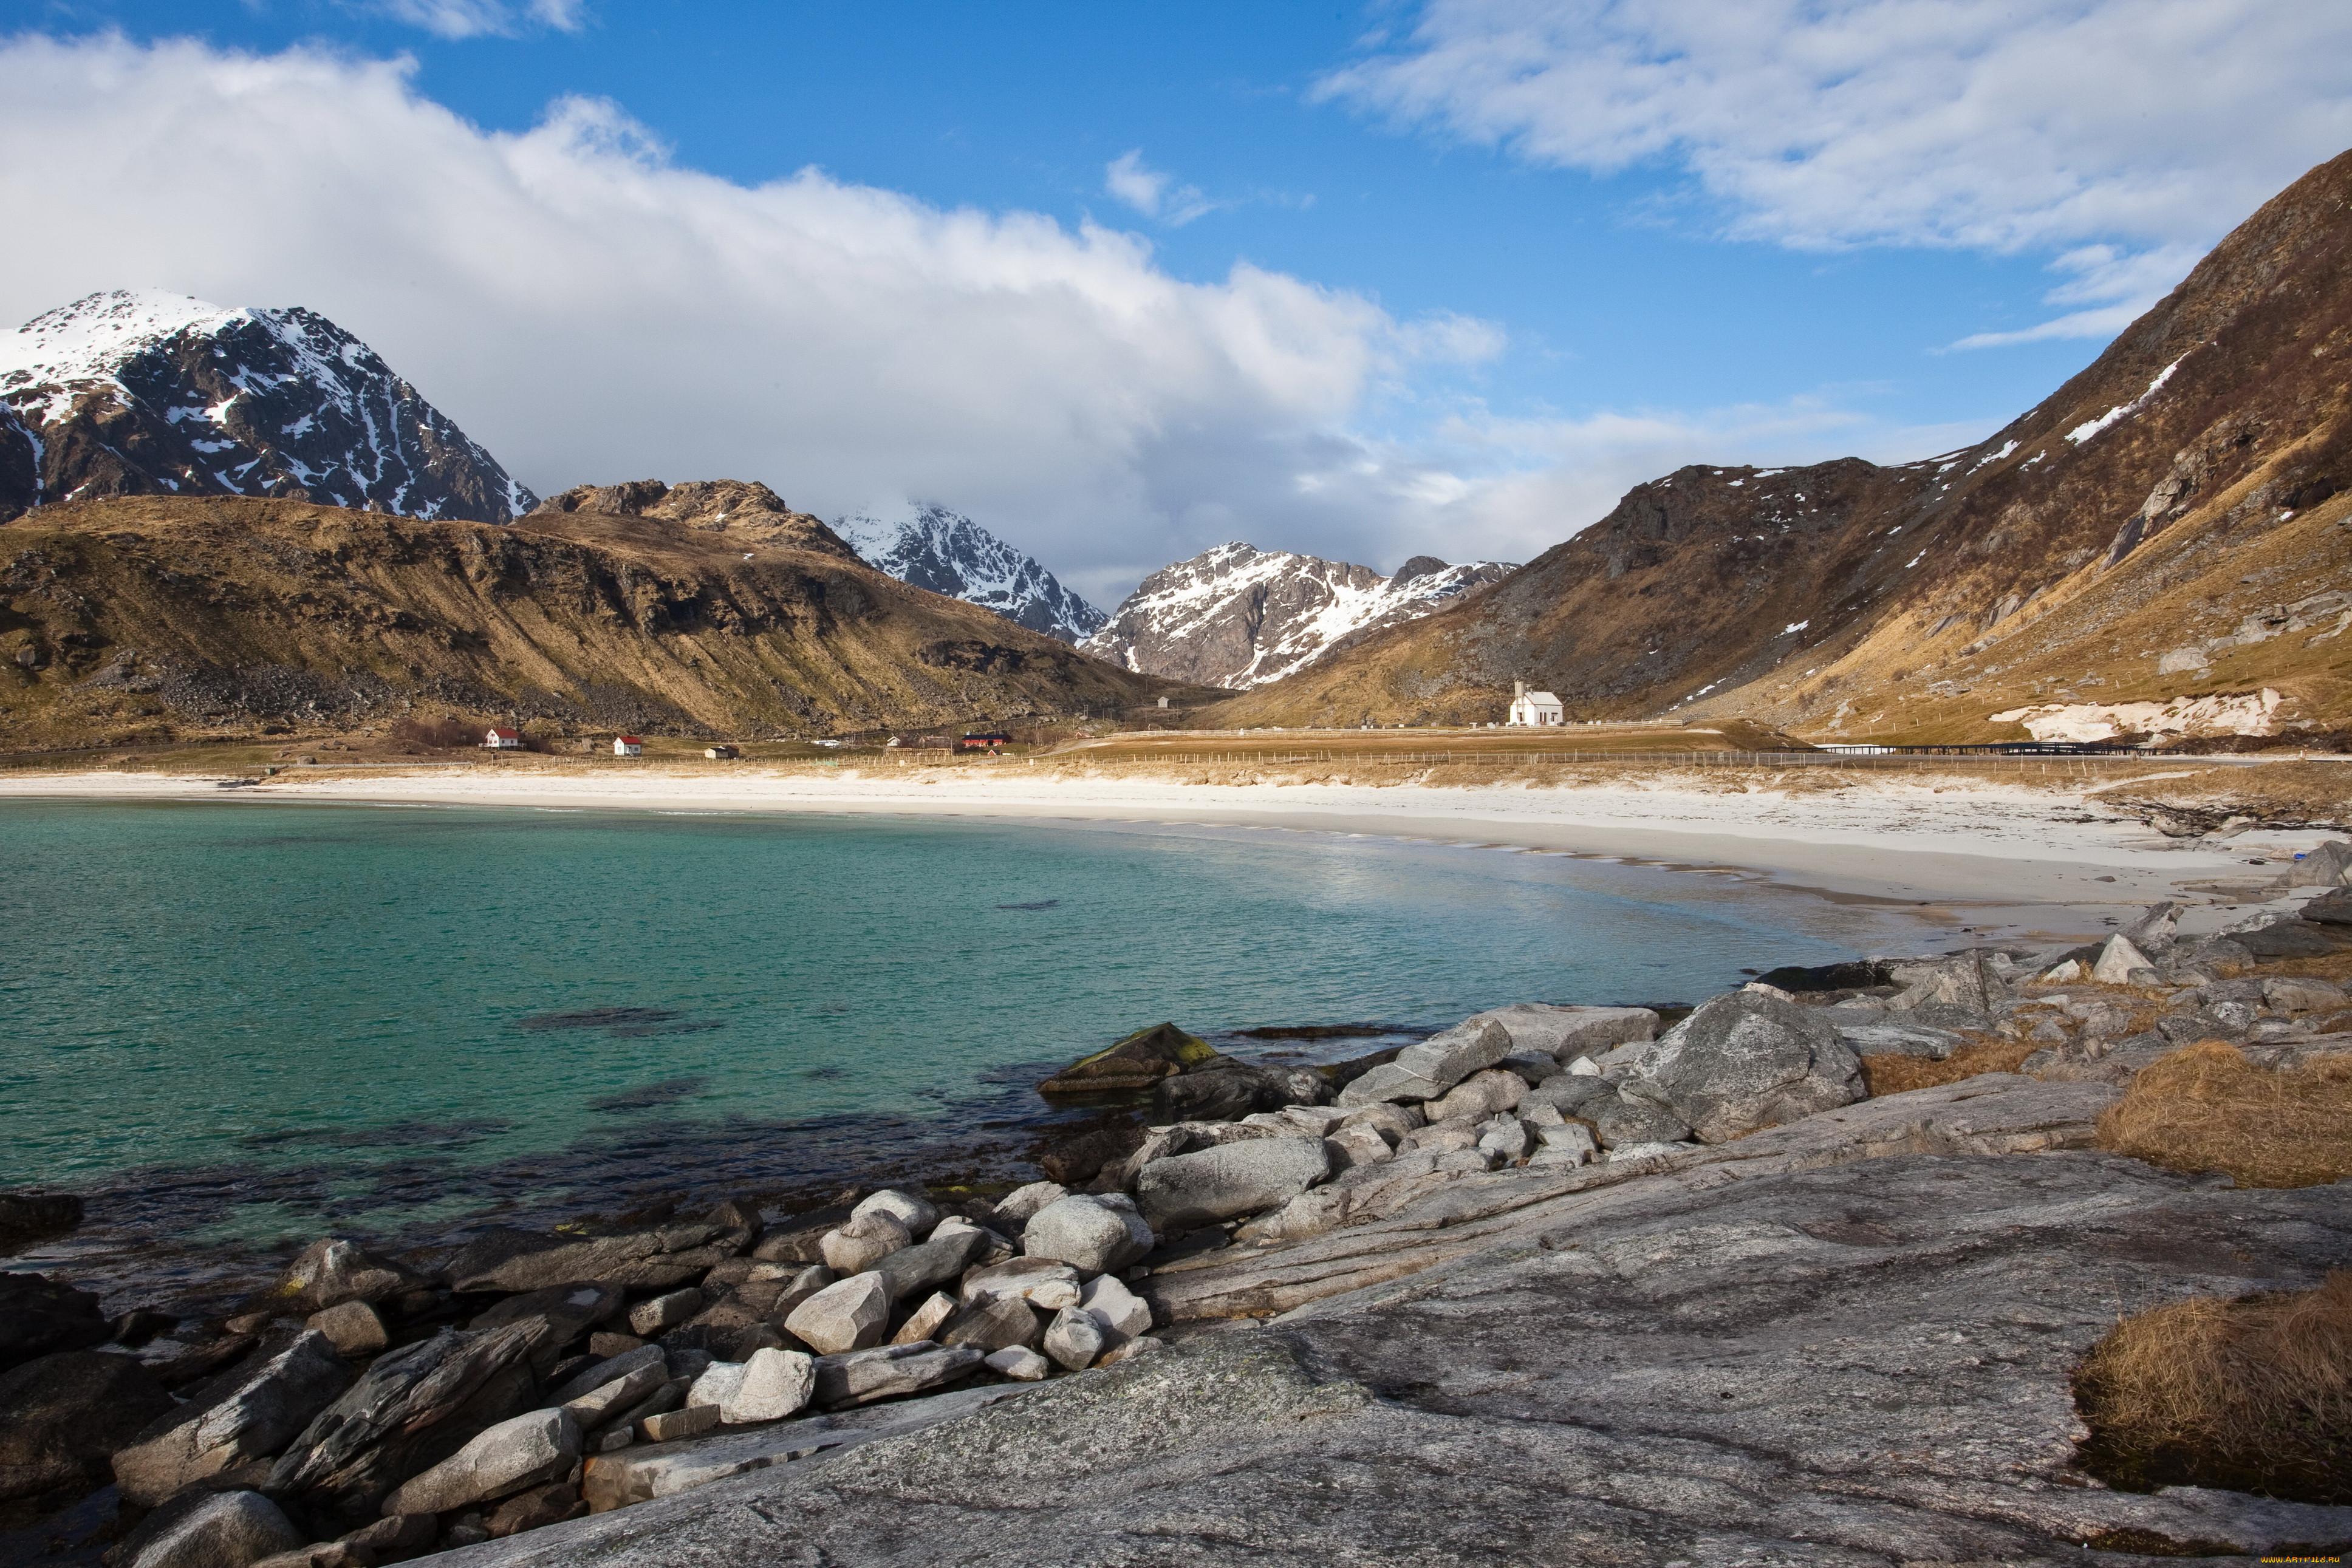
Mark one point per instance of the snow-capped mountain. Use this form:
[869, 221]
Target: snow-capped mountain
[147, 393]
[947, 553]
[1237, 616]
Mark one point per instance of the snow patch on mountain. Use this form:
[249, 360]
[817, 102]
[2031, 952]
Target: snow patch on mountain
[139, 392]
[947, 553]
[1237, 616]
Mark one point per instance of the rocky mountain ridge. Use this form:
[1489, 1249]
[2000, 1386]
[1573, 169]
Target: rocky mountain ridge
[949, 553]
[174, 618]
[148, 393]
[2089, 569]
[1237, 616]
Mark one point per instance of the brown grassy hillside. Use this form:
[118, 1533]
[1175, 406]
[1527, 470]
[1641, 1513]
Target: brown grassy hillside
[159, 617]
[2194, 484]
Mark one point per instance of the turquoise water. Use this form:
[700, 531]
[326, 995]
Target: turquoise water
[245, 1018]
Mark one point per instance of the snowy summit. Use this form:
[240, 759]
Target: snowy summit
[1237, 616]
[141, 392]
[949, 553]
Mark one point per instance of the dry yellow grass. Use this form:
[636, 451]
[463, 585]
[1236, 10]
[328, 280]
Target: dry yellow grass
[1895, 1075]
[2253, 1395]
[2206, 1107]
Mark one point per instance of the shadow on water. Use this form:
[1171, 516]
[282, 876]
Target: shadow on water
[1041, 904]
[648, 1097]
[401, 1134]
[620, 1023]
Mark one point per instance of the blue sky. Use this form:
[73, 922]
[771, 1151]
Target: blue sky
[1497, 258]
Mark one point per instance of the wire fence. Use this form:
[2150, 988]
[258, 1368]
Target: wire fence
[2046, 761]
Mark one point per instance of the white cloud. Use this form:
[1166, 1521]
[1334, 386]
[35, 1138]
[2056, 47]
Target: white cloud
[2149, 125]
[2114, 286]
[591, 312]
[1151, 192]
[485, 19]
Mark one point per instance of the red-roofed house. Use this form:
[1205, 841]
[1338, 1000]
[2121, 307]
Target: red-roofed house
[627, 745]
[503, 740]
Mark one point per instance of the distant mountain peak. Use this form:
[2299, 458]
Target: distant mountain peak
[1237, 616]
[141, 392]
[947, 553]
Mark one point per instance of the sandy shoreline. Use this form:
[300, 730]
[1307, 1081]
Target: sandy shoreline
[2007, 860]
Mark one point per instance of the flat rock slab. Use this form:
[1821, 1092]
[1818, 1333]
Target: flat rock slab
[1415, 1222]
[639, 1475]
[1859, 1366]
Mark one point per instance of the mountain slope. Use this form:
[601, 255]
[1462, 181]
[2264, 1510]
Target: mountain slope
[1237, 616]
[949, 553]
[145, 393]
[2148, 550]
[172, 617]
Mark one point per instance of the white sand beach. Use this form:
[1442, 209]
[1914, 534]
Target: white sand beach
[2003, 857]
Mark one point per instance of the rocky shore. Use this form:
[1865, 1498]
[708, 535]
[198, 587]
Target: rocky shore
[1556, 1284]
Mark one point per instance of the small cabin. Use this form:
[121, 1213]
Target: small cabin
[721, 753]
[1535, 707]
[498, 739]
[627, 745]
[977, 742]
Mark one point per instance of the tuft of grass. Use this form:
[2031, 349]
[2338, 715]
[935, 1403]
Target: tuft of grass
[1895, 1075]
[2253, 1395]
[2205, 1107]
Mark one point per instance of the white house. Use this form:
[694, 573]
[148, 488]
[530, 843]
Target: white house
[1535, 707]
[627, 745]
[503, 740]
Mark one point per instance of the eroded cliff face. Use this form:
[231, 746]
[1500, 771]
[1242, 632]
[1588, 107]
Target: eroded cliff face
[180, 617]
[145, 393]
[2190, 482]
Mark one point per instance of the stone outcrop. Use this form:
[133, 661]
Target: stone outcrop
[246, 1413]
[1747, 1061]
[1860, 1364]
[61, 1416]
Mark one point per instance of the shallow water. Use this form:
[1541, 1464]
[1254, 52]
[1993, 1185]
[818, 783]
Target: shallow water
[245, 1022]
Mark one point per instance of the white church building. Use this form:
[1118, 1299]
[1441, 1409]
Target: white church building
[1535, 707]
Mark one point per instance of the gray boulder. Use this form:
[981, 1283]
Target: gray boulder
[1900, 1039]
[2333, 907]
[867, 1238]
[412, 1408]
[849, 1314]
[353, 1328]
[650, 1260]
[911, 1210]
[224, 1529]
[775, 1384]
[914, 1271]
[248, 1414]
[998, 1321]
[1565, 1033]
[61, 1416]
[1074, 1339]
[1088, 1232]
[1043, 1281]
[1478, 1097]
[1015, 1208]
[332, 1270]
[600, 1405]
[1571, 1094]
[1429, 1068]
[863, 1377]
[648, 1319]
[2117, 961]
[40, 1316]
[1745, 1060]
[2324, 866]
[609, 1371]
[534, 1448]
[1196, 1189]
